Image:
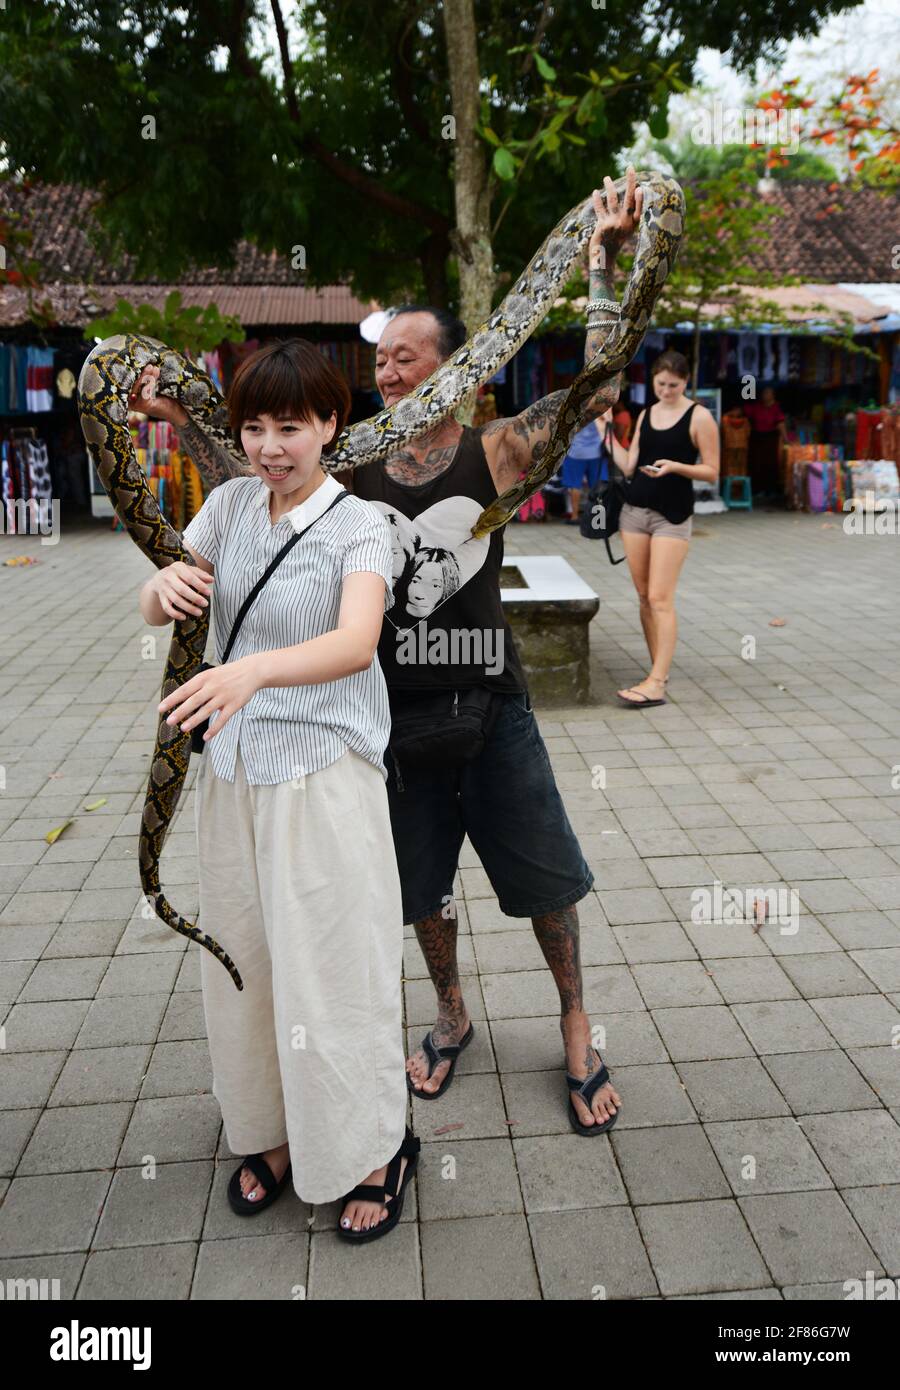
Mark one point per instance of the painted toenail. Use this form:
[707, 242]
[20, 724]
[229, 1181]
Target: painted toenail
[346, 1222]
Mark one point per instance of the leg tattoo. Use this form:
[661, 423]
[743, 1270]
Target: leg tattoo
[437, 938]
[557, 936]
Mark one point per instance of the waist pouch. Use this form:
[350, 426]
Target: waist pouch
[443, 729]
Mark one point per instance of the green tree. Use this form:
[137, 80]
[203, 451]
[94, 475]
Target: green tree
[189, 330]
[320, 131]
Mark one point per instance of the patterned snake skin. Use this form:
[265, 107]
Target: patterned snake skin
[112, 368]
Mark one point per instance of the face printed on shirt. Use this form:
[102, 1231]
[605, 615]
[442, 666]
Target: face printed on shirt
[434, 556]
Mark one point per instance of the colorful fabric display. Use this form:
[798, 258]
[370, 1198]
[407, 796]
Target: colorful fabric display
[39, 379]
[868, 429]
[890, 435]
[172, 476]
[15, 372]
[38, 465]
[815, 477]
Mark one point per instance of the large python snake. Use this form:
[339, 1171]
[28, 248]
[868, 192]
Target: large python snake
[112, 368]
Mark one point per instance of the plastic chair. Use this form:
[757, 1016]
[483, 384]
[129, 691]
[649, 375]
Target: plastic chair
[743, 499]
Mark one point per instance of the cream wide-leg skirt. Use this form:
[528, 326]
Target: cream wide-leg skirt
[299, 884]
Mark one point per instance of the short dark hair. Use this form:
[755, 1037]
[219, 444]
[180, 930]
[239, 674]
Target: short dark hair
[671, 361]
[290, 377]
[451, 330]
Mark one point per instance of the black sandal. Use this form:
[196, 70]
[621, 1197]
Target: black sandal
[586, 1088]
[261, 1170]
[437, 1055]
[391, 1194]
[645, 702]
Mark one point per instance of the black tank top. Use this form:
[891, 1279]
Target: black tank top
[672, 495]
[447, 628]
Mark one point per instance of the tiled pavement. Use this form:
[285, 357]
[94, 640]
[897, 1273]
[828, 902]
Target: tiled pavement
[758, 1150]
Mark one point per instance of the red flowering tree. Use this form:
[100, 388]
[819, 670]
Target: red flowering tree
[853, 122]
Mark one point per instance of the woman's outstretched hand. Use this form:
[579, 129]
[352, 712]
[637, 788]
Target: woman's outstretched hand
[225, 688]
[615, 222]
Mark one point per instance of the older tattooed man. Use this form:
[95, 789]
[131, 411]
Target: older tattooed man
[447, 631]
[506, 798]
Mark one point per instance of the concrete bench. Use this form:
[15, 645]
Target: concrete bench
[549, 608]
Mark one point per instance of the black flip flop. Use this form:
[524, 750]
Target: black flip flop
[261, 1170]
[586, 1088]
[436, 1055]
[394, 1189]
[643, 703]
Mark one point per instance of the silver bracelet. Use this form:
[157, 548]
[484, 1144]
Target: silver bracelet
[609, 304]
[593, 324]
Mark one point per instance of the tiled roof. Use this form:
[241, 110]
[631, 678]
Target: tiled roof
[60, 219]
[827, 234]
[75, 305]
[261, 288]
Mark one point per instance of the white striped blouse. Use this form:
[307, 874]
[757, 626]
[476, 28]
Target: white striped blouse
[289, 731]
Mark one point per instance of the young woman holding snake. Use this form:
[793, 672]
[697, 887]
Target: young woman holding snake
[308, 1061]
[655, 522]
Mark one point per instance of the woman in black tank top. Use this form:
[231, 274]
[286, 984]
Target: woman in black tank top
[655, 523]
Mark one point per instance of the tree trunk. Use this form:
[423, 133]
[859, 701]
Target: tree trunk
[472, 240]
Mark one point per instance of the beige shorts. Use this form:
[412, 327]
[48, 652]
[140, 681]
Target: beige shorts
[644, 521]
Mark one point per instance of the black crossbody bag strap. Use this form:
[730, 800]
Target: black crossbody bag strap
[273, 566]
[197, 744]
[613, 467]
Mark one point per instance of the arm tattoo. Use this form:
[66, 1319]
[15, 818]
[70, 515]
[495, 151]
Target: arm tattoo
[213, 460]
[601, 285]
[528, 435]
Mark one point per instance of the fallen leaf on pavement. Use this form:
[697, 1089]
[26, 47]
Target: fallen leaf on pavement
[53, 835]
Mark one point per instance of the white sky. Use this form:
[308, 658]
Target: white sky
[856, 41]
